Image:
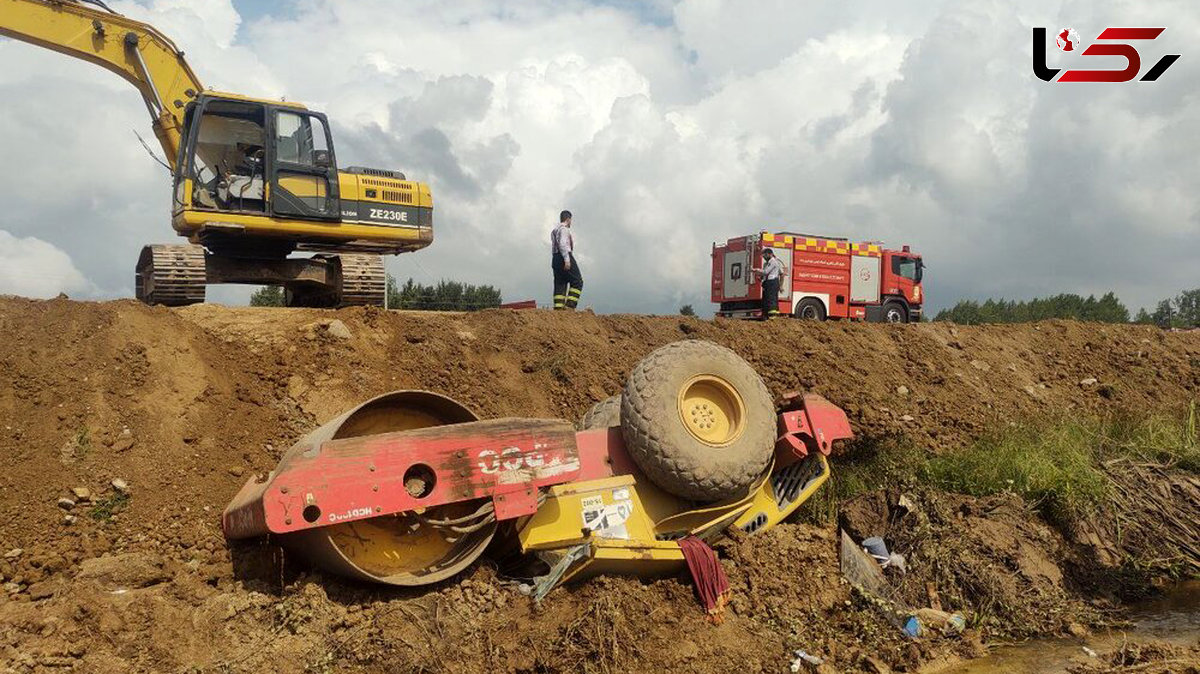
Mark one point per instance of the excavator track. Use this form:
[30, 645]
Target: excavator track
[364, 281]
[172, 275]
[176, 275]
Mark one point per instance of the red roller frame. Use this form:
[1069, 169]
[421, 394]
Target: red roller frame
[507, 460]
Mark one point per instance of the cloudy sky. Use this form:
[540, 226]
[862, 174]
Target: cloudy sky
[664, 126]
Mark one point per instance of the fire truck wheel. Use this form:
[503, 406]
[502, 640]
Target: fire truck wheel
[604, 414]
[810, 308]
[893, 312]
[698, 421]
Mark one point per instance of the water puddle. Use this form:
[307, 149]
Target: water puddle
[1174, 618]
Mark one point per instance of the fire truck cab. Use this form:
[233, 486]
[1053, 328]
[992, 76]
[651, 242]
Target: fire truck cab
[826, 277]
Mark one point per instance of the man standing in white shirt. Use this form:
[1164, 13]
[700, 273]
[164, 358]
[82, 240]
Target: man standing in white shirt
[568, 282]
[772, 273]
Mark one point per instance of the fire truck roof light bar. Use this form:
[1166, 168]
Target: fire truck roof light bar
[813, 236]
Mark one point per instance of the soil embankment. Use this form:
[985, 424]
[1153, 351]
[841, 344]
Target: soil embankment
[183, 405]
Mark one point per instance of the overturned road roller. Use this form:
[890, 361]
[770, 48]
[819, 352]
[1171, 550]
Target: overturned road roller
[411, 487]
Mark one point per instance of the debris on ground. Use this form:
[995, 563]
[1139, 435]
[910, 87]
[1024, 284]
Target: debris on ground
[934, 621]
[803, 658]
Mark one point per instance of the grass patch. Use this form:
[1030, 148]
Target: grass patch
[556, 365]
[105, 508]
[1163, 439]
[867, 464]
[1052, 465]
[1056, 464]
[83, 442]
[78, 446]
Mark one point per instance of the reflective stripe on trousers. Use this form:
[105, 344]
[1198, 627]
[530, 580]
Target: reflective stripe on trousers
[568, 283]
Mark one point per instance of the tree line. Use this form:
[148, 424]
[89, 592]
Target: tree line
[444, 296]
[1107, 309]
[441, 296]
[1181, 311]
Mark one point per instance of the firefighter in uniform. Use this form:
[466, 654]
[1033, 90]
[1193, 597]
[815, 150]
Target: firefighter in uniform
[772, 272]
[568, 282]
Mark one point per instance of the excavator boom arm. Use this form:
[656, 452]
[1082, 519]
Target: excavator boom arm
[131, 49]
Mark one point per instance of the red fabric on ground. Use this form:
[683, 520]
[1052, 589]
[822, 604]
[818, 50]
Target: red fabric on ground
[708, 576]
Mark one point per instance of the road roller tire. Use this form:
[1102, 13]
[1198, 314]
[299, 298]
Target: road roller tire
[698, 421]
[604, 414]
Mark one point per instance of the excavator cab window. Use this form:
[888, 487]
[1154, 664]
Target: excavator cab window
[227, 167]
[305, 176]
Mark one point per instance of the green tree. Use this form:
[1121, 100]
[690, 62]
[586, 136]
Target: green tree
[687, 310]
[1164, 314]
[1187, 308]
[445, 296]
[1110, 310]
[267, 296]
[1181, 311]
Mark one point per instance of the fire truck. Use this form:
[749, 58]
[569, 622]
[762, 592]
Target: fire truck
[827, 277]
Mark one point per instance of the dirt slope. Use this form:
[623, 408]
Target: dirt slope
[185, 404]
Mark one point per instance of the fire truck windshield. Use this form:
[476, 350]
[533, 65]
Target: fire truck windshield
[908, 267]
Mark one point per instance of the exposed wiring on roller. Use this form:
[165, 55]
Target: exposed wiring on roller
[483, 510]
[468, 524]
[474, 527]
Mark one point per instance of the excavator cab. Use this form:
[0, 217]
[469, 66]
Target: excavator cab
[249, 157]
[225, 158]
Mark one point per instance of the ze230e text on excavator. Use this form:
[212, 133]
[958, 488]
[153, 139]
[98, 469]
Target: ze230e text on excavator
[254, 180]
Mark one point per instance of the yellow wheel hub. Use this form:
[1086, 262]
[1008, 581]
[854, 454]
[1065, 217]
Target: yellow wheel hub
[712, 410]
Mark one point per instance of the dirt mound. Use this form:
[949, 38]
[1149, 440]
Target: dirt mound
[180, 406]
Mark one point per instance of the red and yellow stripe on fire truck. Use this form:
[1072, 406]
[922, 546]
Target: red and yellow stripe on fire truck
[819, 245]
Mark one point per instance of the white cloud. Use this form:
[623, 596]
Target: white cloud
[31, 267]
[664, 128]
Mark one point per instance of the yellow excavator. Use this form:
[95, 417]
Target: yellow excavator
[255, 180]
